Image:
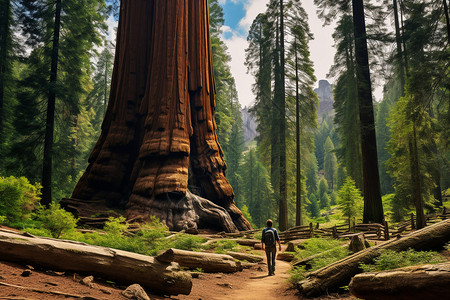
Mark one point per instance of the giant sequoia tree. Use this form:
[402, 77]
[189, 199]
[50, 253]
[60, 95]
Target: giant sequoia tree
[158, 137]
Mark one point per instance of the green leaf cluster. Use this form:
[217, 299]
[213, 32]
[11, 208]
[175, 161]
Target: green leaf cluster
[18, 198]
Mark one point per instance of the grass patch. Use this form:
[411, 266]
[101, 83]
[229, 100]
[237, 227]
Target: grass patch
[389, 260]
[333, 252]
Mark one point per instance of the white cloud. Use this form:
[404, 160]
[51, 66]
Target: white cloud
[253, 8]
[236, 46]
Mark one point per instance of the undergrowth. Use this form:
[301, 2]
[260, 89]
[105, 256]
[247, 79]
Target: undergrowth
[389, 260]
[332, 251]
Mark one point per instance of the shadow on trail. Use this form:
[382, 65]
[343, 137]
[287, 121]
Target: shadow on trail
[259, 277]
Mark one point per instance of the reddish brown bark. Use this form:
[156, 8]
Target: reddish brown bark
[158, 134]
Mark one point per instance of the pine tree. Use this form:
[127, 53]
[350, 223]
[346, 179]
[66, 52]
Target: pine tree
[65, 59]
[350, 200]
[330, 164]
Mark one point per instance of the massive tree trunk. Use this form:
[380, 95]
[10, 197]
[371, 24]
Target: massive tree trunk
[158, 135]
[373, 208]
[339, 273]
[416, 282]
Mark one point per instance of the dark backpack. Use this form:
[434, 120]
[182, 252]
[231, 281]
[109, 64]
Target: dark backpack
[269, 238]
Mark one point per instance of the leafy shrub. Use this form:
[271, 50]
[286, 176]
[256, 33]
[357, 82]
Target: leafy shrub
[188, 242]
[116, 226]
[18, 198]
[389, 260]
[3, 219]
[56, 220]
[38, 231]
[227, 245]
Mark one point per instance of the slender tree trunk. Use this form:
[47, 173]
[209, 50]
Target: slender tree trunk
[298, 215]
[283, 172]
[405, 55]
[4, 36]
[415, 180]
[275, 137]
[373, 208]
[447, 19]
[105, 93]
[398, 40]
[50, 122]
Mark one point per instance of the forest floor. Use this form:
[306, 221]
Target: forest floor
[252, 283]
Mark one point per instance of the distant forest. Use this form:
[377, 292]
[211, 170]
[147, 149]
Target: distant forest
[56, 62]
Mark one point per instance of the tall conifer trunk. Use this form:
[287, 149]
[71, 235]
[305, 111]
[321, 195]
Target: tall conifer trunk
[282, 111]
[398, 40]
[447, 19]
[50, 121]
[4, 37]
[298, 214]
[373, 208]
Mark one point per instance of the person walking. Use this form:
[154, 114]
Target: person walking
[269, 242]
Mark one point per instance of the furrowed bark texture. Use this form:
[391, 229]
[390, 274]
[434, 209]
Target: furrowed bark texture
[339, 273]
[158, 135]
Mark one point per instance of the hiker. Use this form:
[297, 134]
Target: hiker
[268, 240]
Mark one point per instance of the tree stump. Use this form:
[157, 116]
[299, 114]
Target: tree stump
[159, 133]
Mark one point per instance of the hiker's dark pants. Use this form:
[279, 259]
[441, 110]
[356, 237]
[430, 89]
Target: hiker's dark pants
[271, 254]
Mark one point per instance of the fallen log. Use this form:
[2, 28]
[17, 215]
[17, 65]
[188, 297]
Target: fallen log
[245, 256]
[339, 273]
[416, 282]
[111, 264]
[208, 262]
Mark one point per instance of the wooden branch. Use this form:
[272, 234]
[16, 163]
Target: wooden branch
[339, 273]
[116, 265]
[208, 262]
[416, 282]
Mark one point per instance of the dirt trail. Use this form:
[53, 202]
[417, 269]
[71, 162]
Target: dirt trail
[262, 286]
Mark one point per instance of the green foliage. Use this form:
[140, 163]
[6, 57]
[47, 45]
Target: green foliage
[188, 242]
[350, 200]
[389, 260]
[297, 274]
[223, 247]
[314, 246]
[18, 198]
[56, 220]
[313, 206]
[38, 231]
[116, 226]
